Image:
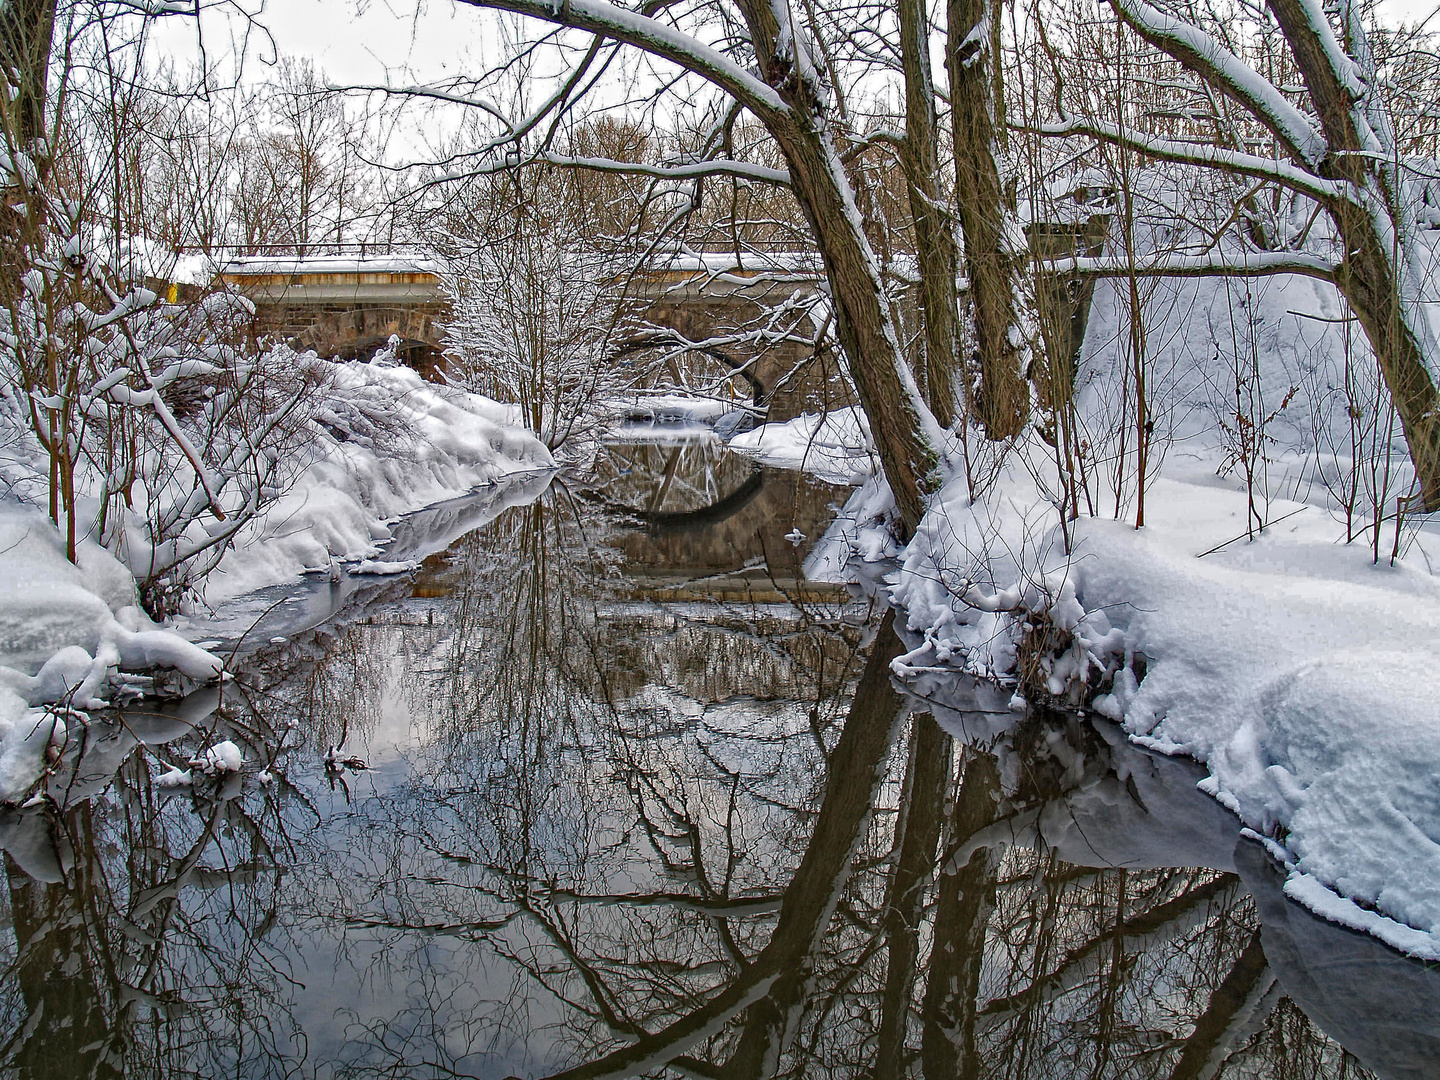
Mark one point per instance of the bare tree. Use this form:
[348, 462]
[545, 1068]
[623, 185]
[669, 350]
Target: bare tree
[536, 285]
[791, 94]
[1337, 149]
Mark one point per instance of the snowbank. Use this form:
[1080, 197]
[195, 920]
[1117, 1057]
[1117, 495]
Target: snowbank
[835, 447]
[65, 631]
[1299, 673]
[437, 443]
[65, 628]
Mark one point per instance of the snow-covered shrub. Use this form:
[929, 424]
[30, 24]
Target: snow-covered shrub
[363, 411]
[132, 420]
[535, 299]
[249, 426]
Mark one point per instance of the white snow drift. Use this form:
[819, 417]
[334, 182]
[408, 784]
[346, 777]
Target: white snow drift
[1297, 670]
[391, 443]
[384, 443]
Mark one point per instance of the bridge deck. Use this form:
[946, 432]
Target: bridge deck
[331, 279]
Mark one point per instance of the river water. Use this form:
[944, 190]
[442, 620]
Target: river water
[607, 787]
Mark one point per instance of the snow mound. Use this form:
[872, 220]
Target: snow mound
[223, 757]
[383, 569]
[65, 628]
[834, 447]
[47, 602]
[1301, 675]
[436, 443]
[25, 736]
[173, 778]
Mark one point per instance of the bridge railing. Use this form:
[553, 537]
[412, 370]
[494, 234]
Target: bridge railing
[362, 249]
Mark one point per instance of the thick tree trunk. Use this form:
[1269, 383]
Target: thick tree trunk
[934, 232]
[994, 245]
[906, 434]
[1375, 230]
[887, 393]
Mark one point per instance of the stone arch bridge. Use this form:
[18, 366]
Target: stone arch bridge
[346, 305]
[350, 304]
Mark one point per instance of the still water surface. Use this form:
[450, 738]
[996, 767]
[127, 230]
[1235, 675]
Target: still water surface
[615, 791]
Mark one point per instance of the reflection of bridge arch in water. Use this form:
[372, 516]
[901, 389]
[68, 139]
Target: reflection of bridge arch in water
[703, 517]
[707, 525]
[687, 485]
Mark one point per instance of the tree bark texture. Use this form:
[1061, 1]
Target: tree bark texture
[994, 245]
[26, 30]
[935, 247]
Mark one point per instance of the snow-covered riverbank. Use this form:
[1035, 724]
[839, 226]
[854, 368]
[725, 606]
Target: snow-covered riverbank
[1301, 674]
[69, 633]
[435, 443]
[1297, 667]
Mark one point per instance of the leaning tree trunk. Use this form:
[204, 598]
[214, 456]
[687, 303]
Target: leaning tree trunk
[934, 231]
[905, 432]
[1370, 281]
[994, 244]
[1374, 227]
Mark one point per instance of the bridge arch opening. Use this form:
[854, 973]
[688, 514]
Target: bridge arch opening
[425, 357]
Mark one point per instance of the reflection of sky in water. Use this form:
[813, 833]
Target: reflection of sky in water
[581, 810]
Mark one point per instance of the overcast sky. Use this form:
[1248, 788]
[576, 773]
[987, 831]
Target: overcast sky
[368, 41]
[354, 41]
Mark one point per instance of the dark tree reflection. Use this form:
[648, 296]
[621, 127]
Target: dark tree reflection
[598, 822]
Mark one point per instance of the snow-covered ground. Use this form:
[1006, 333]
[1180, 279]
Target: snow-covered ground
[65, 631]
[385, 444]
[1290, 663]
[438, 443]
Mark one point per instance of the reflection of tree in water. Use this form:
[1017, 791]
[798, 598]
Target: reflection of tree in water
[144, 948]
[522, 646]
[601, 858]
[694, 909]
[585, 746]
